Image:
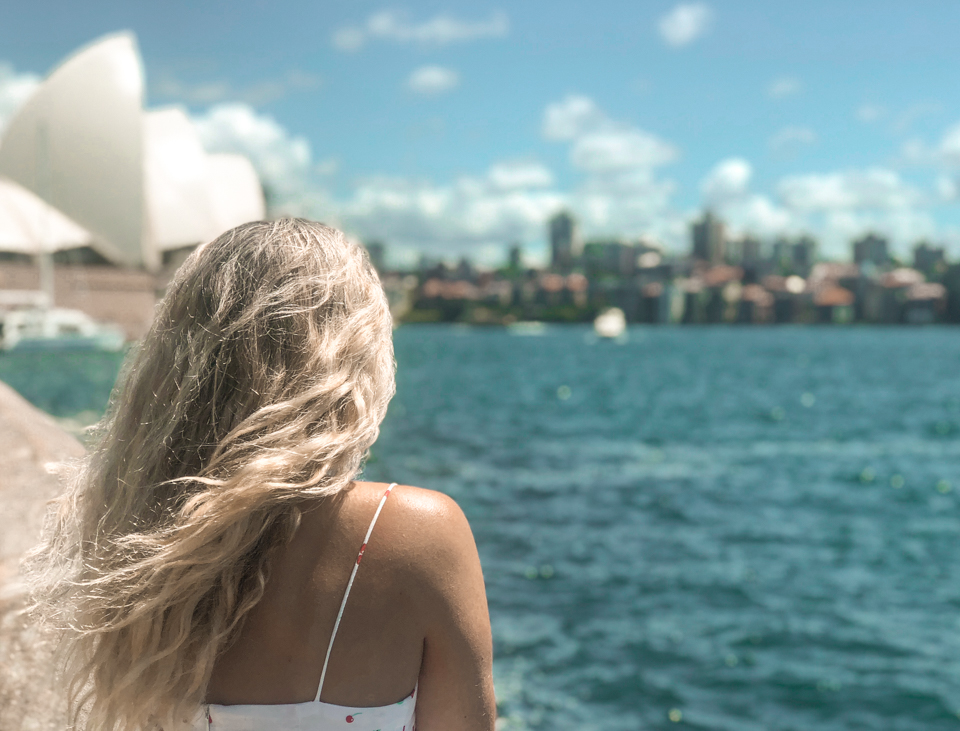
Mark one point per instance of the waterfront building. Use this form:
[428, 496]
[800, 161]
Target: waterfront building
[515, 260]
[755, 305]
[951, 280]
[803, 252]
[465, 270]
[834, 304]
[749, 250]
[694, 301]
[782, 255]
[924, 303]
[931, 260]
[565, 246]
[609, 258]
[660, 303]
[709, 238]
[792, 298]
[871, 249]
[893, 293]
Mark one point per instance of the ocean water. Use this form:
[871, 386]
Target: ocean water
[711, 528]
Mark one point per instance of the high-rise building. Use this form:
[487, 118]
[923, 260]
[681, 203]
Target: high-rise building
[709, 236]
[516, 257]
[564, 241]
[929, 259]
[609, 257]
[803, 253]
[782, 254]
[749, 250]
[871, 249]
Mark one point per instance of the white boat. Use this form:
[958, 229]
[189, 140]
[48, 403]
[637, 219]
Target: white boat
[610, 323]
[56, 328]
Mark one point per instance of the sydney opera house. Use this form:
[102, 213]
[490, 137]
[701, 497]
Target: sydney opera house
[88, 176]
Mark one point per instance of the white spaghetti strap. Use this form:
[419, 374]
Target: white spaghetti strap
[346, 593]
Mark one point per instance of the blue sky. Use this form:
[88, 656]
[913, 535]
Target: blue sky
[459, 127]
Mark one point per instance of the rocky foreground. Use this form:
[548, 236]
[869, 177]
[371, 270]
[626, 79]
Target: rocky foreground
[30, 444]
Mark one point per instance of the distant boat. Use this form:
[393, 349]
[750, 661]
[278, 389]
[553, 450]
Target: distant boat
[56, 328]
[526, 327]
[610, 323]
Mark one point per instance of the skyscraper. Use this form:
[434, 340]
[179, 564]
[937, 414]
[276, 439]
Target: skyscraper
[516, 257]
[871, 248]
[564, 241]
[749, 250]
[803, 255]
[929, 259]
[709, 237]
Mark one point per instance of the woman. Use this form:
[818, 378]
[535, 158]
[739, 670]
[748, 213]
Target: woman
[204, 569]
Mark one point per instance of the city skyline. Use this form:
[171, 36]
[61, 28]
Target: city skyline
[457, 129]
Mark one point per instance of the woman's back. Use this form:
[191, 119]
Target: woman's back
[201, 555]
[415, 618]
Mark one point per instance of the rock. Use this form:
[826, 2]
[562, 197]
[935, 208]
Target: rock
[30, 697]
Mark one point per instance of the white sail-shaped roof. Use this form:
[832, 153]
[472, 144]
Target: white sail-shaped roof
[176, 174]
[235, 193]
[77, 143]
[30, 226]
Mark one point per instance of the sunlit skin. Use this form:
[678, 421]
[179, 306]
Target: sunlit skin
[416, 614]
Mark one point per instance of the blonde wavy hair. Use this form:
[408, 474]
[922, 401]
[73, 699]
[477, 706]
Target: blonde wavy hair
[260, 386]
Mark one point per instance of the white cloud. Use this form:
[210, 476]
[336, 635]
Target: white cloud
[432, 80]
[835, 207]
[602, 145]
[15, 89]
[620, 192]
[949, 148]
[791, 139]
[870, 189]
[759, 215]
[726, 190]
[903, 226]
[685, 23]
[574, 115]
[783, 87]
[947, 187]
[349, 38]
[440, 30]
[870, 113]
[169, 86]
[908, 117]
[728, 180]
[621, 149]
[944, 154]
[470, 212]
[283, 161]
[519, 175]
[330, 166]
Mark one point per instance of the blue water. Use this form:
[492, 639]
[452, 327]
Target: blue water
[701, 528]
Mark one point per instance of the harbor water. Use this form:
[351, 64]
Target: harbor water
[686, 528]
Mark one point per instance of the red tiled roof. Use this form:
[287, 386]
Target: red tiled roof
[833, 296]
[902, 277]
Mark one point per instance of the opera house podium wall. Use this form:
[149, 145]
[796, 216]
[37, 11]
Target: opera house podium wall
[126, 297]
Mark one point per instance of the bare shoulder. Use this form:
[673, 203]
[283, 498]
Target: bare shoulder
[417, 519]
[432, 542]
[422, 532]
